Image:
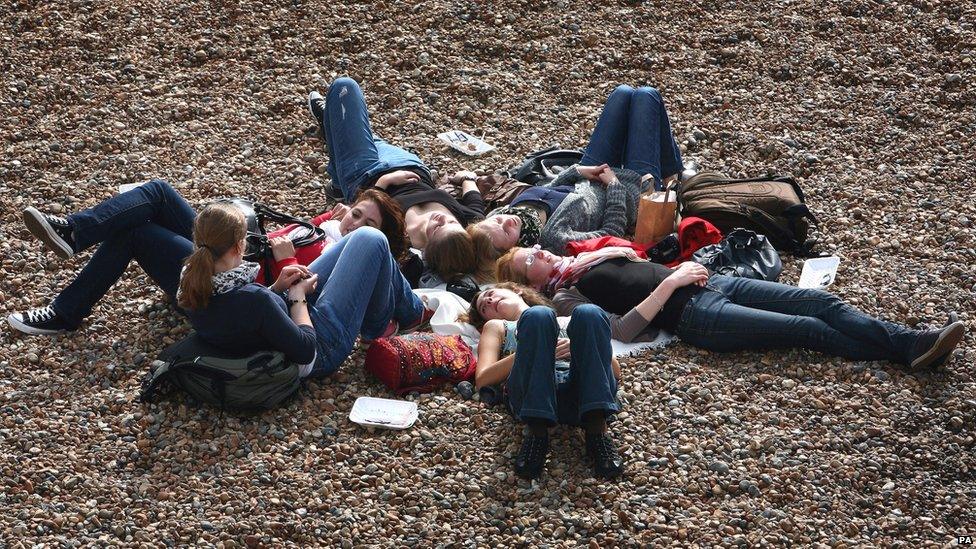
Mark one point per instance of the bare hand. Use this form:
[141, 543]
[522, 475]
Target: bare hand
[399, 177]
[282, 248]
[688, 273]
[562, 349]
[607, 177]
[290, 275]
[464, 175]
[592, 172]
[339, 211]
[303, 287]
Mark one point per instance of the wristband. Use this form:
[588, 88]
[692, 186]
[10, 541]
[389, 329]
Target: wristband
[296, 301]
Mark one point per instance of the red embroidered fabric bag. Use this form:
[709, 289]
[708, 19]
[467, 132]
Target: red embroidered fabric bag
[420, 361]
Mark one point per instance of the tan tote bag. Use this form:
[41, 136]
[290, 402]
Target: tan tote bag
[656, 213]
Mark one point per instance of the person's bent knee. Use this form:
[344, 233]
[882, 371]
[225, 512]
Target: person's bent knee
[343, 81]
[650, 92]
[369, 236]
[588, 315]
[623, 89]
[538, 315]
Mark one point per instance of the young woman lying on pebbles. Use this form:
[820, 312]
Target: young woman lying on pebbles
[554, 371]
[720, 313]
[435, 221]
[362, 292]
[154, 225]
[631, 144]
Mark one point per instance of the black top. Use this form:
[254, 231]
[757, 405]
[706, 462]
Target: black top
[618, 285]
[470, 209]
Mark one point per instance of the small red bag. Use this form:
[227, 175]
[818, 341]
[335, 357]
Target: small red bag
[420, 361]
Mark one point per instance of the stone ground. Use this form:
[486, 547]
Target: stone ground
[869, 103]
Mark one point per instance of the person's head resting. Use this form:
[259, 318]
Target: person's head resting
[218, 233]
[373, 208]
[529, 266]
[503, 230]
[453, 254]
[504, 301]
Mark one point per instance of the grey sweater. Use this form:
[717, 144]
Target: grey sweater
[592, 210]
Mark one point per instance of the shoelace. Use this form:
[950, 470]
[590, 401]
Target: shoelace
[534, 448]
[40, 315]
[605, 450]
[56, 219]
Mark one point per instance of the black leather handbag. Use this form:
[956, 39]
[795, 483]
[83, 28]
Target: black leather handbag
[742, 253]
[257, 216]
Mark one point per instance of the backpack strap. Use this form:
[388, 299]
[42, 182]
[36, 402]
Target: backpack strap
[151, 381]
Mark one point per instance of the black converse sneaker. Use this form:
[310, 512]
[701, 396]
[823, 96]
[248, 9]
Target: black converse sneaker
[532, 456]
[53, 231]
[316, 106]
[43, 321]
[607, 463]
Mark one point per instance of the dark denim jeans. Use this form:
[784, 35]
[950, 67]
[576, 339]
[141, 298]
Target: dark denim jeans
[535, 389]
[355, 154]
[634, 132]
[152, 224]
[360, 290]
[737, 314]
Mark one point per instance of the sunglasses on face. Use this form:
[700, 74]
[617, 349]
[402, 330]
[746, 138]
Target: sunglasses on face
[530, 258]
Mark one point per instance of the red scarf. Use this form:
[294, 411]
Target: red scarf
[569, 269]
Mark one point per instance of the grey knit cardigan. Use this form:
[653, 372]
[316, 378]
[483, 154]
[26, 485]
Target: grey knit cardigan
[592, 210]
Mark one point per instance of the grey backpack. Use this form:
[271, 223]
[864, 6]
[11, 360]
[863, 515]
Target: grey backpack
[256, 382]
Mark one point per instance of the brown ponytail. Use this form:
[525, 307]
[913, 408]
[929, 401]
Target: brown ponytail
[217, 229]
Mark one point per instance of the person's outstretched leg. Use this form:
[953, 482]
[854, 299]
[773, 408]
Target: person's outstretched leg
[352, 151]
[531, 386]
[159, 251]
[716, 323]
[651, 148]
[362, 289]
[154, 202]
[609, 138]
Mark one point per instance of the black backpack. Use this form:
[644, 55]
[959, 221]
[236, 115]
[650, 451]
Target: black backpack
[543, 166]
[251, 383]
[258, 246]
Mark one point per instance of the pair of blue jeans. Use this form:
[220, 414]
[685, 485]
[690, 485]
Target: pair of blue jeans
[735, 314]
[360, 290]
[634, 132]
[152, 224]
[356, 156]
[535, 389]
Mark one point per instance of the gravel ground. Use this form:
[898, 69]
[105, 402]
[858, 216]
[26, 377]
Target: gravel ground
[870, 103]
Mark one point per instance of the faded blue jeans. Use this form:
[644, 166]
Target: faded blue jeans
[634, 132]
[360, 289]
[356, 156]
[741, 314]
[152, 224]
[537, 389]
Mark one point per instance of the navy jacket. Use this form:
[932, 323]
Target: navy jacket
[253, 318]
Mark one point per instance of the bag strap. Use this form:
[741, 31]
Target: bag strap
[158, 371]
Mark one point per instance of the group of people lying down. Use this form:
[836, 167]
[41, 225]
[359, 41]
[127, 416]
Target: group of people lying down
[546, 326]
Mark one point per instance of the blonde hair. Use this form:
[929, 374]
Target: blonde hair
[217, 229]
[505, 269]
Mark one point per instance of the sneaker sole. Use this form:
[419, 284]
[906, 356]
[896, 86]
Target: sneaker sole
[21, 327]
[946, 342]
[42, 230]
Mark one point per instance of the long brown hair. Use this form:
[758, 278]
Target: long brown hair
[530, 296]
[392, 224]
[217, 229]
[458, 254]
[505, 268]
